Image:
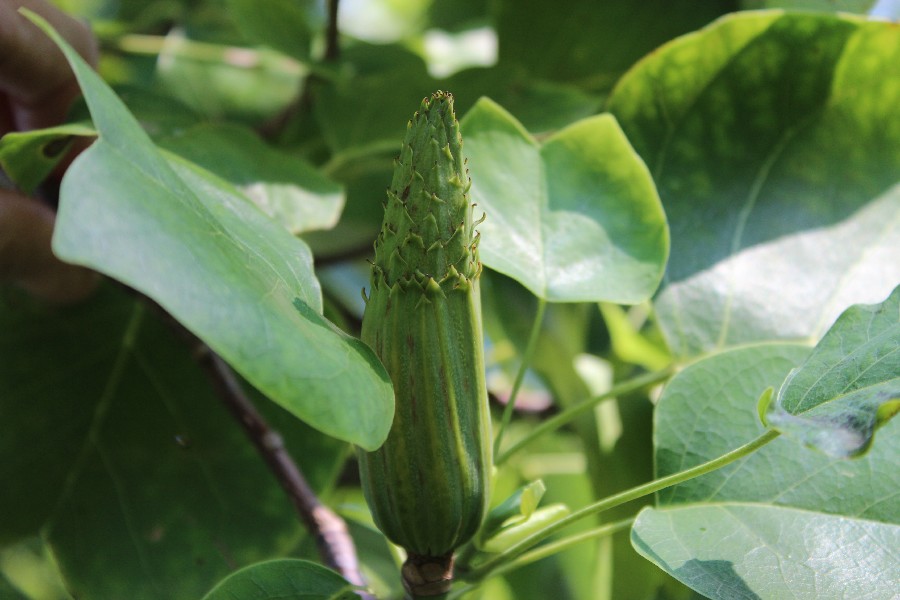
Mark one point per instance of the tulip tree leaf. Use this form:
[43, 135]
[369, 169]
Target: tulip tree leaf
[601, 40]
[286, 188]
[213, 80]
[774, 143]
[541, 106]
[116, 449]
[783, 522]
[227, 272]
[849, 385]
[284, 579]
[768, 552]
[854, 6]
[576, 218]
[28, 157]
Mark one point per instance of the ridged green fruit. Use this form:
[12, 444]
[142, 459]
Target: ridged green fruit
[427, 486]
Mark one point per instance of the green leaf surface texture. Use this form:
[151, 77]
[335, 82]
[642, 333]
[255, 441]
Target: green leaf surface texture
[786, 521]
[834, 400]
[286, 188]
[736, 552]
[576, 218]
[773, 140]
[595, 42]
[147, 488]
[851, 6]
[231, 275]
[285, 579]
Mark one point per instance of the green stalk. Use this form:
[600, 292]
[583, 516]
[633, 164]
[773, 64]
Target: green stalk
[520, 375]
[546, 550]
[480, 571]
[575, 410]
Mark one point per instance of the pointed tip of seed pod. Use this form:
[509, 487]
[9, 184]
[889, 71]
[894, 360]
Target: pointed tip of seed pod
[427, 575]
[433, 288]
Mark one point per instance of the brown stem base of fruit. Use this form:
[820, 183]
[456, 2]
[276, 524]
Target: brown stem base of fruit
[425, 576]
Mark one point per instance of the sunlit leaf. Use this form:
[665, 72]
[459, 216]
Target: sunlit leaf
[774, 143]
[782, 522]
[849, 385]
[576, 218]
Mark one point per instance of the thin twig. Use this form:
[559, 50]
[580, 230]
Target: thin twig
[303, 102]
[332, 537]
[333, 540]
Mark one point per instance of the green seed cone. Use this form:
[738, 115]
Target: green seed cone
[427, 486]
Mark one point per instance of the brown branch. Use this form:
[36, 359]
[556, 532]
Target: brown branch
[303, 102]
[333, 540]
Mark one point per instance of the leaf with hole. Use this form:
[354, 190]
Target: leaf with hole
[849, 385]
[782, 522]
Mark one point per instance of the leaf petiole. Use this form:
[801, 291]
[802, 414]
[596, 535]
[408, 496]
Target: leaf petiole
[546, 550]
[520, 375]
[570, 413]
[517, 550]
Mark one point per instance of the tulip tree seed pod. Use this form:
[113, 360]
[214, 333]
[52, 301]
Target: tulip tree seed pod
[428, 485]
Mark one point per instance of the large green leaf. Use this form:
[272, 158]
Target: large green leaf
[774, 143]
[285, 579]
[231, 275]
[591, 42]
[285, 187]
[116, 448]
[784, 522]
[854, 6]
[573, 219]
[732, 552]
[849, 385]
